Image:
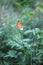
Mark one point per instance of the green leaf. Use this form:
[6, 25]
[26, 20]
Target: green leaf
[11, 53]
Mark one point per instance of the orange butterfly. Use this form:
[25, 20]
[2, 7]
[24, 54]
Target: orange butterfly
[19, 25]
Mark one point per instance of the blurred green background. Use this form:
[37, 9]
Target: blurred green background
[21, 47]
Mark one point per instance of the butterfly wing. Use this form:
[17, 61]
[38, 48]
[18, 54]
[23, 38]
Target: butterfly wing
[19, 25]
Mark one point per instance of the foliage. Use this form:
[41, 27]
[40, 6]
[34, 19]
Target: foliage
[21, 3]
[18, 49]
[21, 47]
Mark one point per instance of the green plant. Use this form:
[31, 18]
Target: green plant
[18, 49]
[21, 47]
